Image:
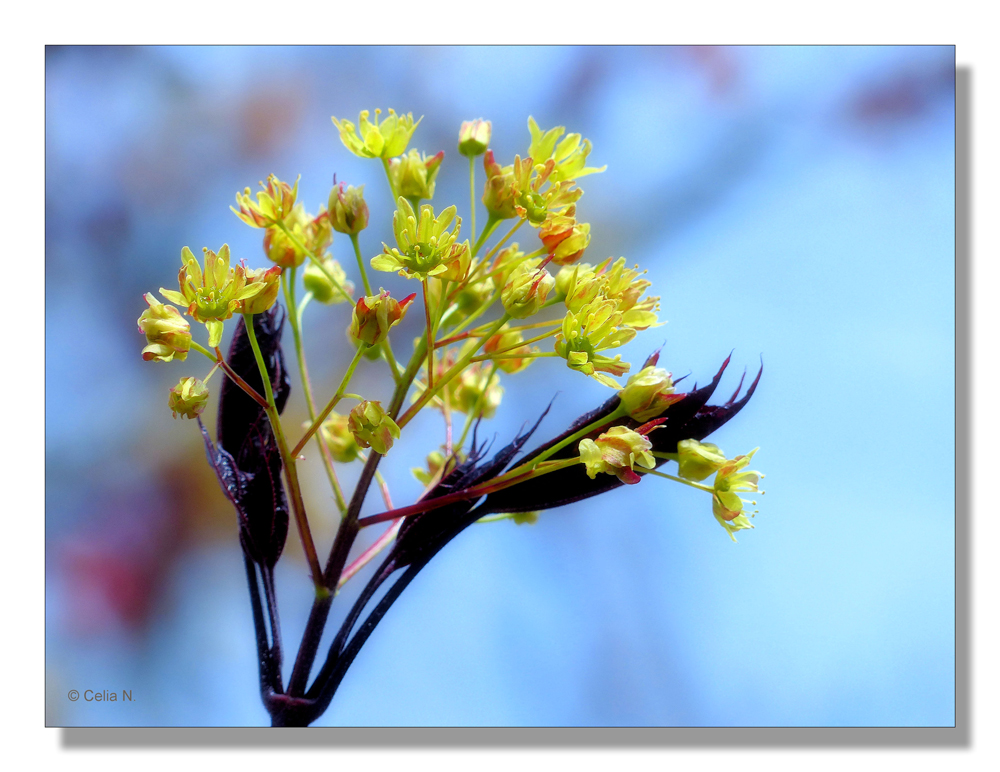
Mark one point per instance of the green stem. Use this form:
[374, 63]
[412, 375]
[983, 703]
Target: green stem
[430, 393]
[318, 420]
[472, 197]
[388, 176]
[619, 412]
[361, 263]
[491, 225]
[288, 462]
[288, 285]
[430, 337]
[666, 476]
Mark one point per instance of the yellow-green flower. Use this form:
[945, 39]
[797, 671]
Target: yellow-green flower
[727, 506]
[372, 427]
[269, 281]
[167, 332]
[212, 295]
[648, 393]
[188, 398]
[425, 246]
[413, 174]
[569, 155]
[626, 286]
[526, 291]
[377, 140]
[617, 451]
[596, 327]
[317, 281]
[339, 439]
[474, 137]
[274, 203]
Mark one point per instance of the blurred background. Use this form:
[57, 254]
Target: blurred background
[793, 204]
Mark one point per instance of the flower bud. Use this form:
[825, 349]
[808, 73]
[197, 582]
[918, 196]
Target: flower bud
[474, 137]
[281, 248]
[372, 427]
[375, 315]
[348, 210]
[317, 281]
[188, 398]
[616, 452]
[570, 247]
[269, 280]
[525, 291]
[476, 391]
[500, 192]
[167, 332]
[697, 460]
[413, 175]
[648, 393]
[338, 437]
[513, 357]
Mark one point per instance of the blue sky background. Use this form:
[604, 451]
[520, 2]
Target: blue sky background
[796, 204]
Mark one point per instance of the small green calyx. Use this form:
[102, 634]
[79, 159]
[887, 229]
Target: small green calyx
[188, 398]
[697, 460]
[372, 427]
[167, 332]
[617, 451]
[348, 210]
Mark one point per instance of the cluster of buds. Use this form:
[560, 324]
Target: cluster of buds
[697, 460]
[372, 427]
[413, 174]
[424, 247]
[617, 451]
[375, 315]
[377, 140]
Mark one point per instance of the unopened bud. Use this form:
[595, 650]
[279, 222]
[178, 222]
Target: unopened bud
[474, 137]
[375, 315]
[167, 332]
[372, 427]
[188, 398]
[648, 393]
[318, 281]
[697, 460]
[347, 208]
[525, 291]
